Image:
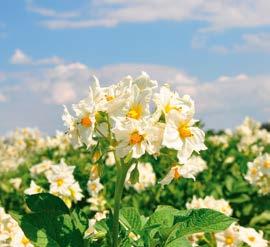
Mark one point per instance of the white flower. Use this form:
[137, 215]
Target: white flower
[97, 203]
[94, 186]
[258, 173]
[180, 134]
[91, 223]
[138, 103]
[60, 178]
[63, 184]
[81, 127]
[220, 205]
[190, 169]
[111, 99]
[167, 101]
[147, 176]
[254, 172]
[251, 237]
[91, 228]
[229, 237]
[11, 235]
[33, 189]
[42, 167]
[75, 192]
[138, 137]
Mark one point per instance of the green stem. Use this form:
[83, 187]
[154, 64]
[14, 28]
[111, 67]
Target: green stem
[121, 176]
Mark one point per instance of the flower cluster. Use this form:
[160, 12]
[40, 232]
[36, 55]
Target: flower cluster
[61, 180]
[252, 136]
[18, 146]
[232, 236]
[122, 113]
[258, 173]
[11, 235]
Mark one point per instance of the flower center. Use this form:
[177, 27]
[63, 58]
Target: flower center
[229, 240]
[251, 238]
[93, 187]
[109, 97]
[135, 138]
[176, 173]
[254, 171]
[135, 112]
[184, 131]
[169, 107]
[25, 241]
[266, 164]
[59, 182]
[86, 122]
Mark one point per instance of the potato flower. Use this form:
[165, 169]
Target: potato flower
[33, 189]
[258, 173]
[251, 237]
[190, 169]
[181, 135]
[228, 238]
[81, 127]
[137, 137]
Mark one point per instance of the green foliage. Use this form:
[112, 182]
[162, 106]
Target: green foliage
[50, 223]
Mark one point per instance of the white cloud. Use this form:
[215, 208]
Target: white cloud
[21, 58]
[50, 12]
[62, 93]
[254, 42]
[218, 14]
[223, 102]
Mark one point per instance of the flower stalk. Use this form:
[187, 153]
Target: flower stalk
[121, 176]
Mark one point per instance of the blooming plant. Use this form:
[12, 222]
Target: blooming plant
[126, 122]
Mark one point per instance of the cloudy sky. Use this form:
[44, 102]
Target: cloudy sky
[217, 51]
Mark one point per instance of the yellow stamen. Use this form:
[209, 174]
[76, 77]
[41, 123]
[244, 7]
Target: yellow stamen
[176, 173]
[254, 171]
[135, 138]
[251, 238]
[184, 131]
[169, 107]
[25, 241]
[86, 122]
[229, 240]
[266, 164]
[93, 187]
[135, 112]
[109, 97]
[59, 181]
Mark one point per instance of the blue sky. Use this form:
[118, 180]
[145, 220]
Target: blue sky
[217, 51]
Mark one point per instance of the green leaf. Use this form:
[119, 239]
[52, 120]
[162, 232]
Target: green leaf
[199, 220]
[179, 242]
[130, 218]
[51, 224]
[46, 202]
[50, 230]
[80, 220]
[163, 218]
